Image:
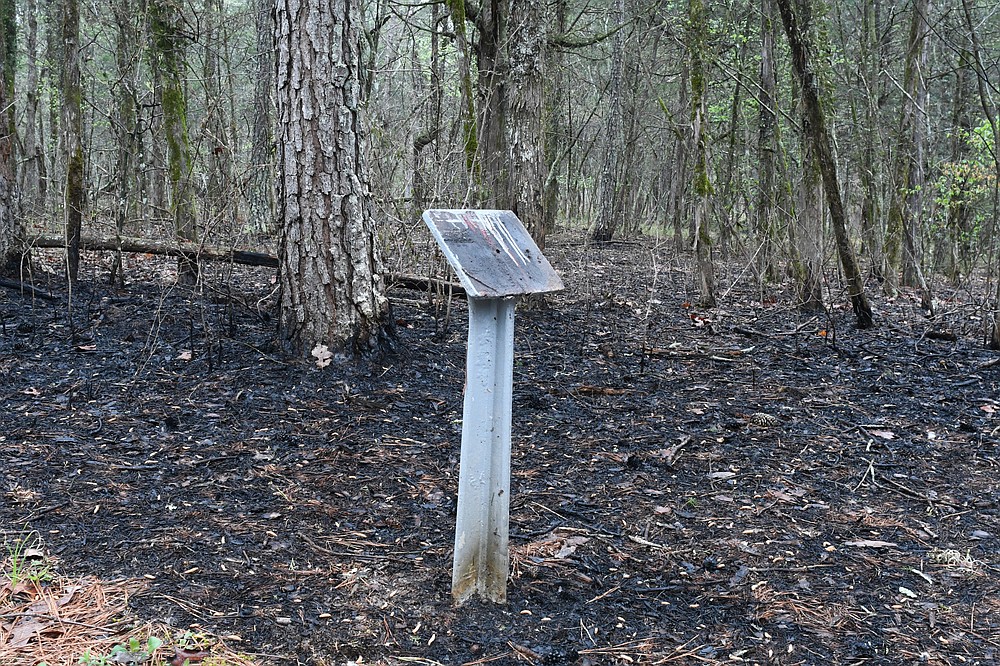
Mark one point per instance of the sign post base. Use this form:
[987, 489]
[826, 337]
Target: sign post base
[483, 522]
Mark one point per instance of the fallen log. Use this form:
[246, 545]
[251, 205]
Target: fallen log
[195, 251]
[177, 248]
[25, 288]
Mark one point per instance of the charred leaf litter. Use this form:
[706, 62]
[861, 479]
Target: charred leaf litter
[748, 484]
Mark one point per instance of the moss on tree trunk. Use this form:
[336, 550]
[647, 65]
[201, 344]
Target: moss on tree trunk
[820, 138]
[169, 59]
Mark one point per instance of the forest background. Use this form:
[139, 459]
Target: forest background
[781, 134]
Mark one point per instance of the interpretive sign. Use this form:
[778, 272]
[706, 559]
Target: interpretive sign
[496, 261]
[492, 253]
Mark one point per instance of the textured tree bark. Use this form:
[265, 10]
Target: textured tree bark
[764, 223]
[260, 182]
[902, 244]
[221, 206]
[491, 21]
[611, 210]
[555, 120]
[828, 167]
[169, 57]
[807, 226]
[33, 174]
[330, 271]
[72, 122]
[51, 75]
[11, 236]
[467, 102]
[127, 132]
[697, 43]
[524, 116]
[11, 232]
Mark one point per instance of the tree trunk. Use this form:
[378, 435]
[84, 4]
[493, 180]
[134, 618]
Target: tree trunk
[828, 167]
[260, 183]
[490, 62]
[9, 25]
[467, 100]
[330, 275]
[33, 174]
[174, 248]
[510, 147]
[52, 78]
[702, 186]
[169, 60]
[808, 226]
[126, 122]
[11, 231]
[220, 209]
[72, 122]
[555, 120]
[902, 251]
[764, 223]
[524, 116]
[611, 209]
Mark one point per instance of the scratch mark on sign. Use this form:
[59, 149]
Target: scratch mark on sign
[503, 235]
[495, 233]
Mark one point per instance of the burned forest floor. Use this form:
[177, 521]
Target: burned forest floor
[743, 484]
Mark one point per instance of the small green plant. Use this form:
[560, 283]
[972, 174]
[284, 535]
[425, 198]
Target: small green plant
[193, 640]
[133, 651]
[186, 640]
[26, 562]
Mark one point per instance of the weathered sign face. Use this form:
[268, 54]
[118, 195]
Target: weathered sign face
[492, 253]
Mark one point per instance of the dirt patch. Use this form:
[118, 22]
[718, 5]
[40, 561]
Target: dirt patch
[748, 484]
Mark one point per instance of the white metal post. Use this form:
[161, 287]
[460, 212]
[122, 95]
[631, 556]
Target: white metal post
[483, 521]
[496, 261]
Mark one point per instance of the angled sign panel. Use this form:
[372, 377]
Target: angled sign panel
[492, 253]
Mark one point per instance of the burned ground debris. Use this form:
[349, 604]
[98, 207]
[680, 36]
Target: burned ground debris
[657, 514]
